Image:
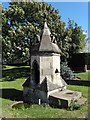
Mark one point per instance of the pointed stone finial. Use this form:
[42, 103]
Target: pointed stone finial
[46, 44]
[46, 30]
[45, 25]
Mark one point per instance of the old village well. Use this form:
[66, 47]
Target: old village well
[45, 85]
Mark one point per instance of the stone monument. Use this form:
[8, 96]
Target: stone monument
[45, 85]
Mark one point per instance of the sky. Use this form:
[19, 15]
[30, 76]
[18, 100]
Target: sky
[50, 0]
[77, 11]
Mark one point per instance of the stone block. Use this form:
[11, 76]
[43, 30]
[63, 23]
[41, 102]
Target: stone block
[64, 98]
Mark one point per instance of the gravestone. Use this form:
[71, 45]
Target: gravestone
[45, 85]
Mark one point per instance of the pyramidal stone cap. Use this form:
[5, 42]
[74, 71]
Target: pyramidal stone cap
[45, 44]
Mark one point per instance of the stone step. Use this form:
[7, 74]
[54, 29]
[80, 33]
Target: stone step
[82, 101]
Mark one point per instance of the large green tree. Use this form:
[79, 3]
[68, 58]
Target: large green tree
[24, 20]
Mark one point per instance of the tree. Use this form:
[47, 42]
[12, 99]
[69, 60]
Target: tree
[78, 38]
[22, 22]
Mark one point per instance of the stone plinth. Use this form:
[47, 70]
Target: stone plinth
[64, 98]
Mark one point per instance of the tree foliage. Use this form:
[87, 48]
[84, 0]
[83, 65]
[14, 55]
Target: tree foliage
[24, 20]
[78, 37]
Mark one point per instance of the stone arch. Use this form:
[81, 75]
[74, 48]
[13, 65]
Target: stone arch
[35, 72]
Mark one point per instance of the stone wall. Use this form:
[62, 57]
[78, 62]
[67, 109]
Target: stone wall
[46, 67]
[48, 64]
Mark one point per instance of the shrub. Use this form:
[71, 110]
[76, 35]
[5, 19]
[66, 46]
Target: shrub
[66, 72]
[74, 106]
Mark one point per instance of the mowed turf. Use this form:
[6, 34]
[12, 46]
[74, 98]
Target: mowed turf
[12, 92]
[83, 75]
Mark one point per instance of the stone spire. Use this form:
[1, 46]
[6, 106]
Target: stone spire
[46, 30]
[46, 44]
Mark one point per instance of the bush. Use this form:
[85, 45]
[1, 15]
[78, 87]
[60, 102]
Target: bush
[74, 106]
[66, 72]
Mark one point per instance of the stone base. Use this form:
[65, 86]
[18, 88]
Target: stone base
[59, 98]
[63, 98]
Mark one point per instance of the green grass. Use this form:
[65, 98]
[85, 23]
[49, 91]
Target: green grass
[36, 111]
[6, 67]
[83, 75]
[82, 89]
[14, 86]
[11, 73]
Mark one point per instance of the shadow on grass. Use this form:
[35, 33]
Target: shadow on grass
[11, 94]
[15, 73]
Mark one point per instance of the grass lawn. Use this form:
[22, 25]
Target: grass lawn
[83, 75]
[12, 87]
